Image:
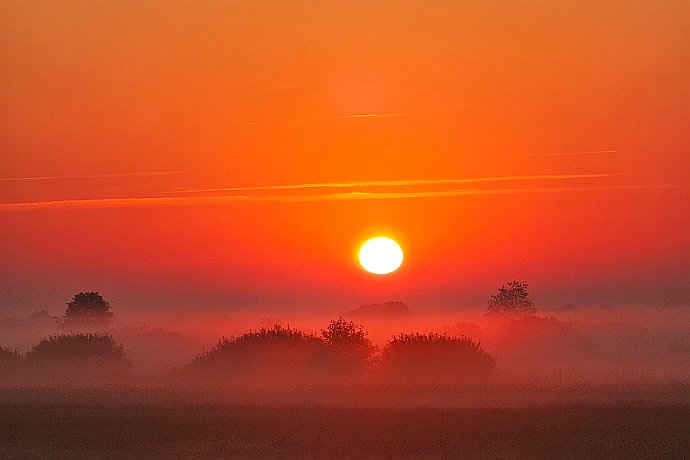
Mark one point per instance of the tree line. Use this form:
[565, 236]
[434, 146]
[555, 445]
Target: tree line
[342, 348]
[270, 354]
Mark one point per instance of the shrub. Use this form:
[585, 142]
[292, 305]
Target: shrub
[9, 358]
[432, 357]
[79, 356]
[10, 364]
[537, 337]
[275, 351]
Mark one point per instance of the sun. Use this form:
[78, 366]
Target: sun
[381, 256]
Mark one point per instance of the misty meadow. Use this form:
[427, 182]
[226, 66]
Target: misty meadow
[513, 382]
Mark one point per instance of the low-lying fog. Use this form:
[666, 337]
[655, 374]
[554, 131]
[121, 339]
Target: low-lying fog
[568, 345]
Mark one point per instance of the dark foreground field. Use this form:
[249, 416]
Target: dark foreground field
[68, 429]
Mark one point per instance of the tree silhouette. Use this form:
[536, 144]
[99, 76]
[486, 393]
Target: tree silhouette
[350, 343]
[88, 308]
[512, 299]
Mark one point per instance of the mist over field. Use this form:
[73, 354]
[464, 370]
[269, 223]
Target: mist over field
[566, 383]
[568, 347]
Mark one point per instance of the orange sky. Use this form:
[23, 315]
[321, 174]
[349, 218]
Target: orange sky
[235, 154]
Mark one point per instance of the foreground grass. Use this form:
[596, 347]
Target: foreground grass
[69, 430]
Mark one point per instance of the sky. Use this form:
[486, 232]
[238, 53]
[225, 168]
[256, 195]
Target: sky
[226, 156]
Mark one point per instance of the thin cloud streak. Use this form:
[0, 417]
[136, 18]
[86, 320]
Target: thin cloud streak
[91, 176]
[375, 115]
[475, 192]
[563, 154]
[136, 202]
[399, 183]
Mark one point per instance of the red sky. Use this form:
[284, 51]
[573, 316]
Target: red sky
[234, 155]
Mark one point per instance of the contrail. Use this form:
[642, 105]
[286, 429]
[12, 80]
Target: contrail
[475, 192]
[565, 154]
[132, 202]
[555, 154]
[374, 115]
[91, 176]
[399, 183]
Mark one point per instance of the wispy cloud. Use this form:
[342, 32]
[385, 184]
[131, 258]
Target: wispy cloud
[556, 154]
[90, 176]
[474, 192]
[399, 183]
[375, 115]
[135, 202]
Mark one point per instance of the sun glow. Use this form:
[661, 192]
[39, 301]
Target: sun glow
[381, 256]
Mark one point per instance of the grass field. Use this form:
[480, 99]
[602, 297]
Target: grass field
[70, 429]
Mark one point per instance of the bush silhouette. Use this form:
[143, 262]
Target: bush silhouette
[8, 356]
[435, 358]
[273, 352]
[538, 336]
[9, 359]
[79, 356]
[349, 344]
[10, 364]
[278, 355]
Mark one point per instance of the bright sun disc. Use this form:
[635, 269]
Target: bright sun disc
[380, 256]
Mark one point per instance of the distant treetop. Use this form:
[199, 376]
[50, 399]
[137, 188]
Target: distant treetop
[88, 307]
[386, 309]
[512, 299]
